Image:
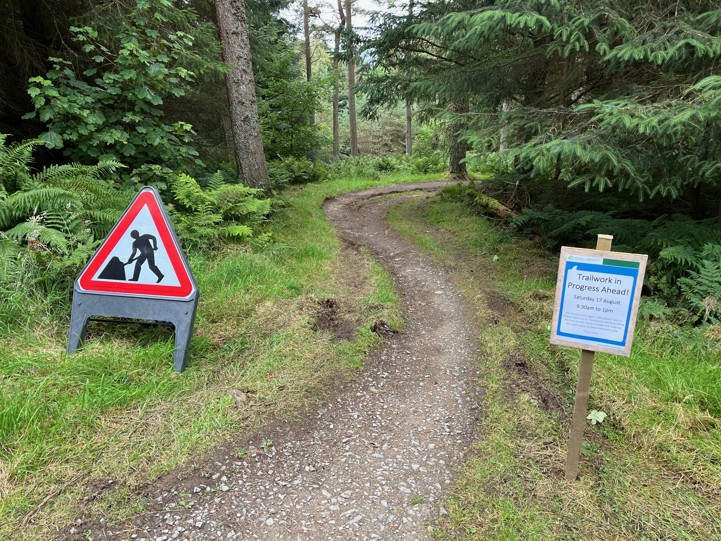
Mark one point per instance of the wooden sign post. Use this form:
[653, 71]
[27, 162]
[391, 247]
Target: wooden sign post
[597, 296]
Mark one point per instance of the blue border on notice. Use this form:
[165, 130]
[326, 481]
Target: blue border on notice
[604, 269]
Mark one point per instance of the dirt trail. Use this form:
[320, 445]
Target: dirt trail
[373, 463]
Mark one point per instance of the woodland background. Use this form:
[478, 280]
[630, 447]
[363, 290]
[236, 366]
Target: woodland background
[584, 116]
[569, 119]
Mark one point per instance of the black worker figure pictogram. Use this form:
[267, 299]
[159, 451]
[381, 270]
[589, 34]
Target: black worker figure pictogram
[145, 246]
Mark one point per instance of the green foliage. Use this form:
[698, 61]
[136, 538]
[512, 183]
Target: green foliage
[684, 255]
[286, 101]
[109, 105]
[654, 308]
[563, 228]
[285, 106]
[702, 286]
[221, 212]
[292, 170]
[596, 416]
[595, 95]
[50, 220]
[366, 167]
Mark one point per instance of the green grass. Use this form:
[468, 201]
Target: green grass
[117, 411]
[651, 471]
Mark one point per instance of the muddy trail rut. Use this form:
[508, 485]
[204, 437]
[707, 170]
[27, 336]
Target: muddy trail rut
[374, 462]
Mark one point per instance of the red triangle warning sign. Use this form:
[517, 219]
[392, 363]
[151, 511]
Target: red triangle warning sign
[141, 256]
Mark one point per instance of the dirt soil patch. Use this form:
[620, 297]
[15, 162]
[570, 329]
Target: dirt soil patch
[521, 379]
[328, 318]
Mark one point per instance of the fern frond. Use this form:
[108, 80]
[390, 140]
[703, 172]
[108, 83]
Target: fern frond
[238, 232]
[702, 289]
[216, 181]
[101, 217]
[36, 232]
[22, 204]
[188, 192]
[17, 155]
[682, 255]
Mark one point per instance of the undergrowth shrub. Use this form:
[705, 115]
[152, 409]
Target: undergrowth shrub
[435, 162]
[373, 167]
[701, 287]
[684, 254]
[50, 221]
[292, 170]
[205, 217]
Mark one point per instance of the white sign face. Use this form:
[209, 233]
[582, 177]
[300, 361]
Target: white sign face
[597, 296]
[144, 256]
[141, 256]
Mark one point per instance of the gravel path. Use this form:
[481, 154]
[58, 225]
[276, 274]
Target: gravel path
[375, 462]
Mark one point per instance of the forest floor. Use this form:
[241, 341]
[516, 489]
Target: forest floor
[376, 460]
[457, 426]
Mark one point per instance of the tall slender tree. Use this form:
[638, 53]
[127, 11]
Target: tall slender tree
[247, 142]
[409, 101]
[409, 127]
[336, 79]
[458, 147]
[351, 54]
[307, 13]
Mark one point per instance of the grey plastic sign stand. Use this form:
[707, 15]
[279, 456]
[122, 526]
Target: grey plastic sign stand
[162, 287]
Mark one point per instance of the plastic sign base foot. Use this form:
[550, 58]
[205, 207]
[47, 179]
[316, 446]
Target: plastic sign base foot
[180, 313]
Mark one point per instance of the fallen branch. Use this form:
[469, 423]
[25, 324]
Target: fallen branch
[26, 520]
[488, 205]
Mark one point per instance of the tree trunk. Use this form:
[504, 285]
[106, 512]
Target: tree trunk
[505, 128]
[228, 131]
[352, 120]
[409, 128]
[308, 61]
[336, 100]
[458, 148]
[695, 202]
[409, 110]
[336, 80]
[247, 142]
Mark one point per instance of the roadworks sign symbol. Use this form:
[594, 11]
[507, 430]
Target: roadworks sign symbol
[141, 256]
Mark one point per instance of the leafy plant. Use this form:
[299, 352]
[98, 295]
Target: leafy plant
[702, 286]
[52, 205]
[596, 416]
[51, 220]
[292, 170]
[684, 254]
[266, 445]
[110, 109]
[205, 217]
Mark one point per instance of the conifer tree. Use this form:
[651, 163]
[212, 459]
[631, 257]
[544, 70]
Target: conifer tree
[232, 23]
[599, 94]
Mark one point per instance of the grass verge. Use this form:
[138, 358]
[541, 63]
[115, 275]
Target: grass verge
[649, 472]
[78, 434]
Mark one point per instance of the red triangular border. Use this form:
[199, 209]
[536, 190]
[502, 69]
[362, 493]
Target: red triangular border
[150, 198]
